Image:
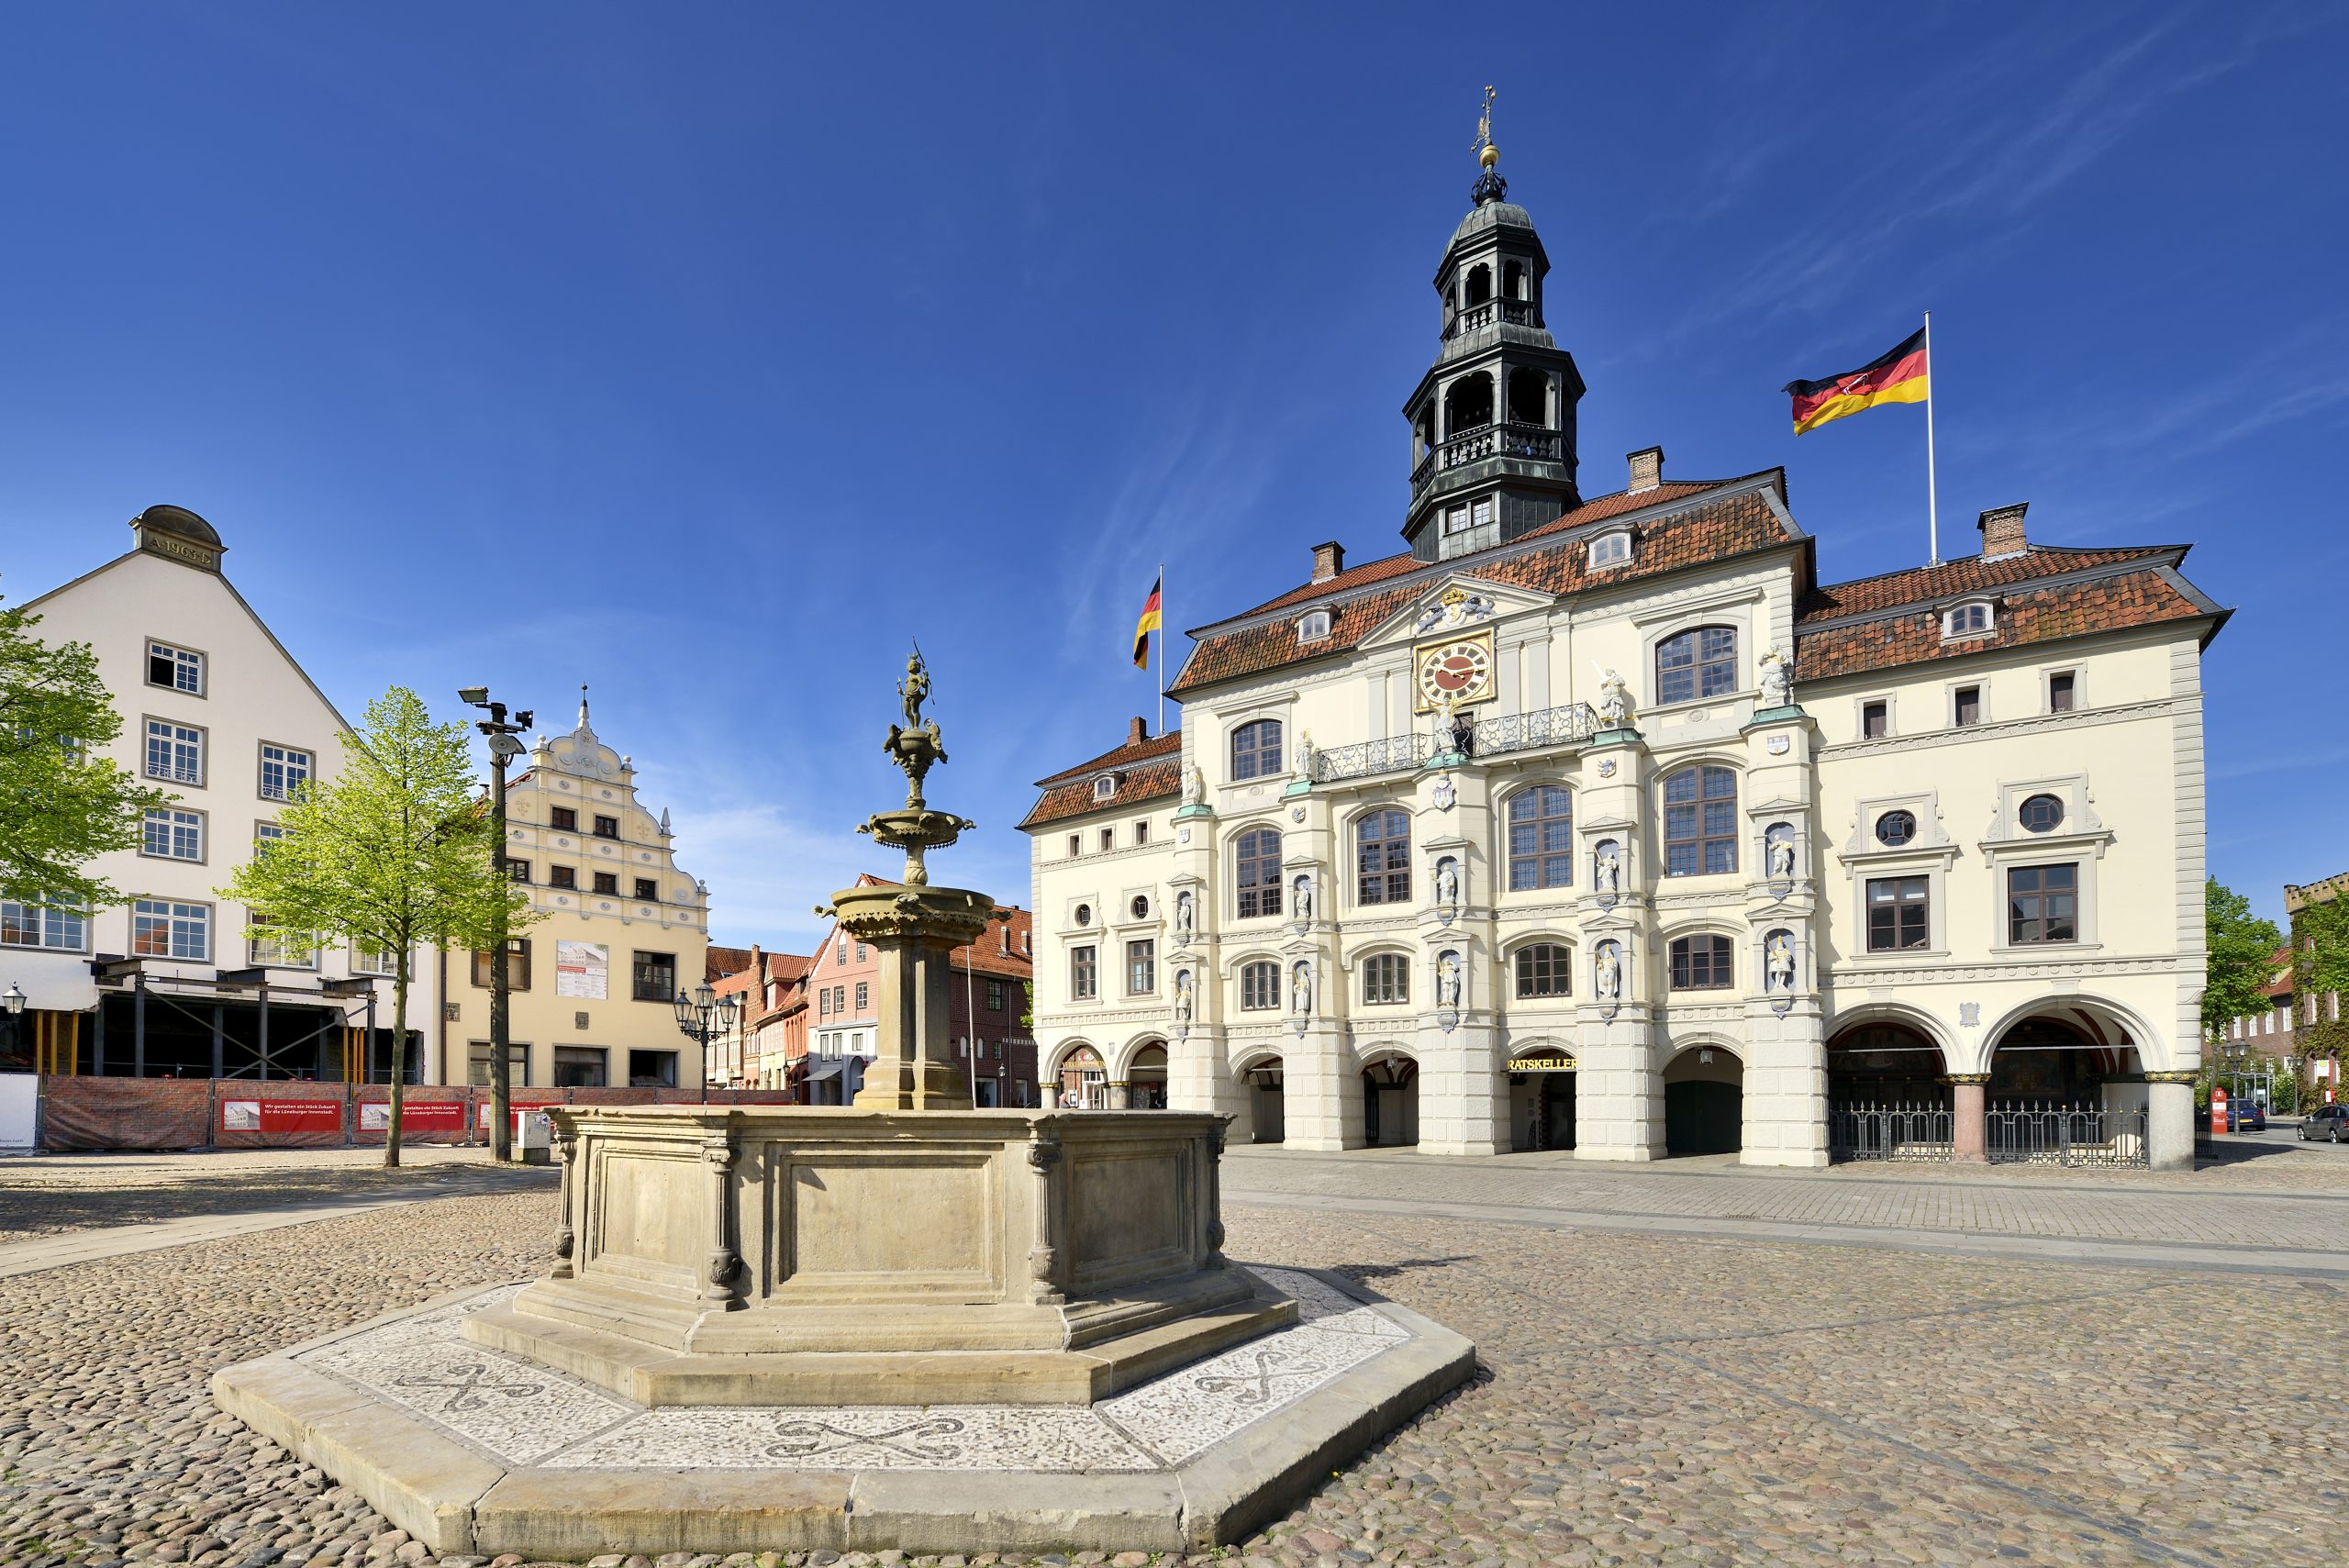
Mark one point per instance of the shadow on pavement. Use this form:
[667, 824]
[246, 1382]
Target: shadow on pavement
[42, 1204]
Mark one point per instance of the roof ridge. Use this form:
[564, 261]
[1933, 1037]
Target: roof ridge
[1146, 751]
[2029, 549]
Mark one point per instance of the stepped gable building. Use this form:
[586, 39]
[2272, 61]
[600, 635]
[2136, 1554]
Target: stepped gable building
[594, 984]
[1599, 822]
[178, 982]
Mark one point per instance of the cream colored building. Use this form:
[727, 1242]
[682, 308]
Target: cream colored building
[1518, 840]
[179, 983]
[594, 983]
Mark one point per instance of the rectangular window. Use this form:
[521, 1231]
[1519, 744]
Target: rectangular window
[607, 827]
[995, 995]
[518, 1063]
[366, 958]
[840, 999]
[840, 950]
[268, 950]
[1260, 986]
[1076, 845]
[563, 818]
[282, 770]
[647, 889]
[518, 871]
[173, 835]
[163, 928]
[175, 668]
[2059, 692]
[517, 965]
[1141, 968]
[1897, 914]
[656, 976]
[1875, 720]
[1084, 982]
[563, 876]
[31, 925]
[174, 752]
[1702, 963]
[579, 1067]
[1386, 978]
[1545, 969]
[861, 952]
[1969, 705]
[824, 1002]
[607, 881]
[1108, 837]
[1141, 832]
[652, 1069]
[863, 994]
[2042, 903]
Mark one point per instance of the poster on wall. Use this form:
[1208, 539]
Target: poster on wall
[281, 1116]
[416, 1115]
[518, 1102]
[580, 969]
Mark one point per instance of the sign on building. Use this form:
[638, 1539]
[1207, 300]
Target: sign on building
[581, 969]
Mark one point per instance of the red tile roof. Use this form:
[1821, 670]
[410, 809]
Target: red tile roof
[1124, 756]
[1967, 573]
[1071, 794]
[1714, 527]
[988, 955]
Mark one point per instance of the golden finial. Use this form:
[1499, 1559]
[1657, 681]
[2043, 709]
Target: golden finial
[1488, 153]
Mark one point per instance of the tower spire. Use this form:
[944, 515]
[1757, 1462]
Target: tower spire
[583, 705]
[1489, 185]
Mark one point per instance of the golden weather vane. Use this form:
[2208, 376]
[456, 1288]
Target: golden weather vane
[1484, 121]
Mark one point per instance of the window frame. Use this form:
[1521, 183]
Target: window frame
[36, 919]
[1387, 980]
[1957, 700]
[1268, 972]
[1562, 967]
[645, 897]
[1952, 631]
[1597, 557]
[202, 744]
[1711, 677]
[1898, 905]
[565, 877]
[640, 969]
[1719, 958]
[202, 690]
[2071, 703]
[197, 912]
[598, 818]
[599, 878]
[1541, 858]
[1393, 878]
[1249, 755]
[1141, 964]
[255, 926]
[1314, 625]
[199, 823]
[1266, 894]
[309, 769]
[1702, 840]
[1879, 709]
[555, 815]
[1084, 972]
[2016, 922]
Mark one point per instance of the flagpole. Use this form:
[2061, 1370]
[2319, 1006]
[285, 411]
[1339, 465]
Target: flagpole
[1161, 632]
[1931, 489]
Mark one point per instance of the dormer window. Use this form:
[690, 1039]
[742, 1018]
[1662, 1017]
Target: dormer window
[1611, 549]
[1105, 786]
[1967, 620]
[1314, 626]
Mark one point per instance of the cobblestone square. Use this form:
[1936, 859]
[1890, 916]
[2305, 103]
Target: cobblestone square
[1673, 1396]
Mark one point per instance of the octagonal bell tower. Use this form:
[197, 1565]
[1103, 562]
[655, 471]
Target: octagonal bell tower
[1493, 420]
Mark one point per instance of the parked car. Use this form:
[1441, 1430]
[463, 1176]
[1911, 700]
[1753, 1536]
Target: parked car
[2246, 1115]
[2326, 1122]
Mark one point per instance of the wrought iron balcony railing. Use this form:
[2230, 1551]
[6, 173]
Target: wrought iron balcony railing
[1568, 726]
[1476, 318]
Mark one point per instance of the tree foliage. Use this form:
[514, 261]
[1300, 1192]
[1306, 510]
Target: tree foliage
[396, 851]
[2320, 967]
[2241, 959]
[62, 804]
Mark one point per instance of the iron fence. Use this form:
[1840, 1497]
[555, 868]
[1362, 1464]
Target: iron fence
[1386, 756]
[2051, 1132]
[1569, 724]
[1899, 1131]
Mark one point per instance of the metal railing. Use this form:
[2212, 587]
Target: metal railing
[1570, 725]
[1920, 1130]
[1483, 314]
[2050, 1132]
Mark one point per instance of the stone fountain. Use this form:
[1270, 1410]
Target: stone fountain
[903, 1322]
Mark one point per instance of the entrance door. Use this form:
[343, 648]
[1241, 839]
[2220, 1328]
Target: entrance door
[1702, 1119]
[1266, 1112]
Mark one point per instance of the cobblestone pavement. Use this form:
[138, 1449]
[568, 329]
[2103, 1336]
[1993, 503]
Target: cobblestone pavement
[54, 1195]
[1644, 1400]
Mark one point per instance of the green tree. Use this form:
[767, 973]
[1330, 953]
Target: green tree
[2321, 965]
[60, 803]
[396, 851]
[2242, 958]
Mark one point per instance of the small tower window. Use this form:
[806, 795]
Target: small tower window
[1529, 396]
[1480, 285]
[1513, 280]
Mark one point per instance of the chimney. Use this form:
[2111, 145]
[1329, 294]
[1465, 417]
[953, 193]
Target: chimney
[2002, 531]
[1647, 468]
[1137, 732]
[1328, 559]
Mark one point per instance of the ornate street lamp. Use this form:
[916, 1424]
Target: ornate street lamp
[702, 1015]
[13, 999]
[503, 749]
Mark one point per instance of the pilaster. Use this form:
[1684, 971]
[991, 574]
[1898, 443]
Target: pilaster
[1619, 1092]
[1322, 1090]
[1784, 1114]
[1464, 1093]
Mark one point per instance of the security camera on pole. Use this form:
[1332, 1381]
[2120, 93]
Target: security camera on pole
[503, 749]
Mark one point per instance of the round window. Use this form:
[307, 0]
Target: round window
[1141, 908]
[1084, 914]
[1896, 828]
[2042, 813]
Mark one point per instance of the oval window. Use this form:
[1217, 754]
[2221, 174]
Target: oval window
[2042, 814]
[1141, 908]
[1895, 829]
[1084, 914]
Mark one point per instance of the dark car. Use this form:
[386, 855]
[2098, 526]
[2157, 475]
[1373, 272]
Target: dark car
[2246, 1115]
[2326, 1122]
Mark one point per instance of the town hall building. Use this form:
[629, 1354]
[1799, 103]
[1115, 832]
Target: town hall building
[1598, 821]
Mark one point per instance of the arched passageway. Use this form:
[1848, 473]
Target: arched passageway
[1888, 1097]
[1704, 1102]
[1261, 1080]
[1390, 1102]
[1542, 1097]
[1146, 1078]
[1083, 1083]
[2066, 1087]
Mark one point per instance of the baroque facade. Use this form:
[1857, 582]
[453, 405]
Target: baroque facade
[1600, 822]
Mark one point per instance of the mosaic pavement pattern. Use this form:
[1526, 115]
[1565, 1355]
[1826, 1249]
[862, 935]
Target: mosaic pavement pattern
[521, 1414]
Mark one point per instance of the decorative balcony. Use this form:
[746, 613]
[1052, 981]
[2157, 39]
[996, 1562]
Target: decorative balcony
[1493, 312]
[1568, 726]
[1475, 445]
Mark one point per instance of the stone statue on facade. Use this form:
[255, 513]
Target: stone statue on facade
[1607, 875]
[1308, 755]
[1781, 858]
[1185, 916]
[1447, 980]
[1777, 680]
[1301, 896]
[1300, 988]
[1182, 1001]
[1609, 974]
[1781, 962]
[1614, 700]
[1447, 883]
[1195, 785]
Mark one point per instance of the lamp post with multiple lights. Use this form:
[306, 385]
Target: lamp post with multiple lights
[702, 1014]
[503, 749]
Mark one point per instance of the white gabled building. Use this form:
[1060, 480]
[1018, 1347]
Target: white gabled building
[1522, 838]
[178, 982]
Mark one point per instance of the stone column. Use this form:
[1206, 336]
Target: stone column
[1463, 1095]
[2170, 1120]
[1121, 1096]
[566, 1238]
[1321, 1091]
[1786, 1087]
[1618, 1092]
[1969, 1123]
[722, 1275]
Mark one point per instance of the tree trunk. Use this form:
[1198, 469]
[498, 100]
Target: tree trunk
[399, 1064]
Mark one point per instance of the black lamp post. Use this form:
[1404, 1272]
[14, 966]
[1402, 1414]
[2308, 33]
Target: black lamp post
[503, 749]
[13, 999]
[703, 1013]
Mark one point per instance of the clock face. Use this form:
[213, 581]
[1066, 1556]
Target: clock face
[1455, 672]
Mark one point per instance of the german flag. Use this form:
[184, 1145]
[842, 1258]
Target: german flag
[1901, 376]
[1148, 623]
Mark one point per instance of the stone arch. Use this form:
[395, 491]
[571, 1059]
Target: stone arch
[1390, 1092]
[1143, 1072]
[1121, 1063]
[1261, 1075]
[1082, 1076]
[2102, 1024]
[1703, 1094]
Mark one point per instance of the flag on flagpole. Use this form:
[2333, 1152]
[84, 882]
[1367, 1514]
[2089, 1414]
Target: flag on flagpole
[1901, 376]
[1148, 623]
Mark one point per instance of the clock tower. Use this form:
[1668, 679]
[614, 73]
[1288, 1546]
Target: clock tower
[1493, 420]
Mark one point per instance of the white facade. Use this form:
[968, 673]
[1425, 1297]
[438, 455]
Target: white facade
[217, 712]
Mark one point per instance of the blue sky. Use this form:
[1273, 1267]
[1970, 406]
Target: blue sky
[706, 353]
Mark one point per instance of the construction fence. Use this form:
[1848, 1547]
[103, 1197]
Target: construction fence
[76, 1114]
